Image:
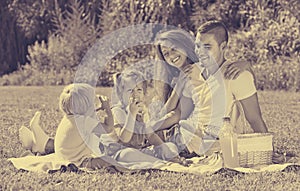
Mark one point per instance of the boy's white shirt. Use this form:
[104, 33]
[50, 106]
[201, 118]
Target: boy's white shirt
[74, 140]
[86, 125]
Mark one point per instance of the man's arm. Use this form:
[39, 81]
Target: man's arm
[253, 114]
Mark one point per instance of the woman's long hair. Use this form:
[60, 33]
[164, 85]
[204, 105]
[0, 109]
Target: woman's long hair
[165, 72]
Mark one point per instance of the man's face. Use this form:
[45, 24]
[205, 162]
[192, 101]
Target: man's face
[209, 51]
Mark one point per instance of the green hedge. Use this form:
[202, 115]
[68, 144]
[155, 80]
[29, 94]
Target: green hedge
[266, 33]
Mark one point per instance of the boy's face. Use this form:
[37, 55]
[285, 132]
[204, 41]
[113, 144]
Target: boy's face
[174, 57]
[134, 91]
[209, 51]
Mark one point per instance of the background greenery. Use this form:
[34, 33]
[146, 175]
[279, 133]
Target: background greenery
[45, 40]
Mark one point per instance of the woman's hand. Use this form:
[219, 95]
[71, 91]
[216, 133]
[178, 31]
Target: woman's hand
[187, 69]
[233, 70]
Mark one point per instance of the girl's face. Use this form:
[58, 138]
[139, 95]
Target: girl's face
[175, 57]
[132, 90]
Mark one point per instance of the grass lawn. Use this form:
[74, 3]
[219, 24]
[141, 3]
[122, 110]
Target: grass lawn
[281, 111]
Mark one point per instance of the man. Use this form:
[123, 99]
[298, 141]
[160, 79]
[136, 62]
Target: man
[211, 43]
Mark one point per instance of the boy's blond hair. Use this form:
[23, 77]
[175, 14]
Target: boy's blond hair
[77, 99]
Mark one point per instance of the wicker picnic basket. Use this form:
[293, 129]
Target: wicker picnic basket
[255, 149]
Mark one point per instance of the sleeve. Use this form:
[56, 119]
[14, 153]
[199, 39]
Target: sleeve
[243, 86]
[119, 115]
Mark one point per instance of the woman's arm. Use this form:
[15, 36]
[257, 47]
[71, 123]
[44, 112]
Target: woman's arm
[233, 70]
[174, 98]
[166, 121]
[172, 102]
[182, 111]
[154, 139]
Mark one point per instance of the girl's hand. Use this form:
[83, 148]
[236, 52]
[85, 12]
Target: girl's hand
[135, 106]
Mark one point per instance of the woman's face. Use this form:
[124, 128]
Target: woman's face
[175, 57]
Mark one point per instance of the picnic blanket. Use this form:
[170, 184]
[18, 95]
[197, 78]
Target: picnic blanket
[200, 165]
[214, 163]
[38, 163]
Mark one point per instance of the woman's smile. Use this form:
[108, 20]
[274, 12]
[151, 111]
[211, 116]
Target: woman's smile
[176, 59]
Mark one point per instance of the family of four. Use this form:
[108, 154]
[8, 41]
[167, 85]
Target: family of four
[196, 87]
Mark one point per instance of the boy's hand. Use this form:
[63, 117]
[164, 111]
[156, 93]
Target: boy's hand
[233, 70]
[104, 101]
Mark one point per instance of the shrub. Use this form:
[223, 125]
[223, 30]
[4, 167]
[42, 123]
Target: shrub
[55, 62]
[266, 33]
[271, 43]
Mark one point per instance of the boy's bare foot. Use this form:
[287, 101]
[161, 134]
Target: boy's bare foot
[40, 138]
[26, 137]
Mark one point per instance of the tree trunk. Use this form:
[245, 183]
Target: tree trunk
[12, 47]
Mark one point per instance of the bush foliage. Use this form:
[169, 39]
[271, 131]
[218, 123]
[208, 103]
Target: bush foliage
[266, 33]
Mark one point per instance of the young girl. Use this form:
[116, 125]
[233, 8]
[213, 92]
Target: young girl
[76, 139]
[133, 130]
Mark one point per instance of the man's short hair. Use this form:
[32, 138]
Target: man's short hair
[217, 28]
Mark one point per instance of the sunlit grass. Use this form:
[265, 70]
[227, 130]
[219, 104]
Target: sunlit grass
[18, 104]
